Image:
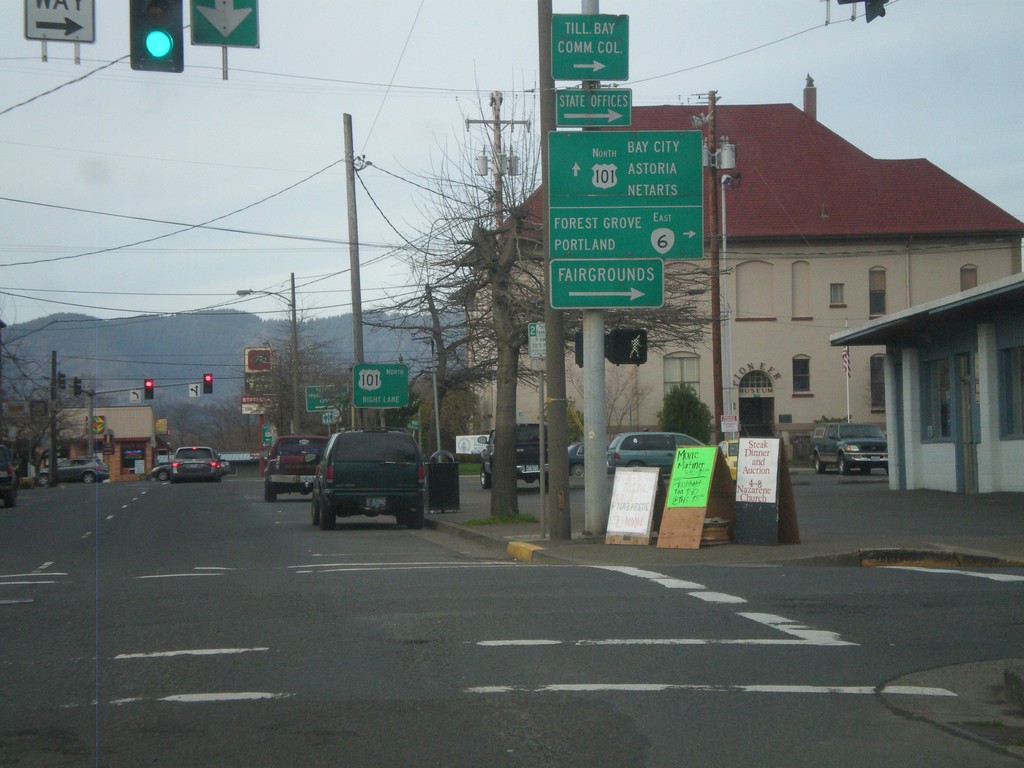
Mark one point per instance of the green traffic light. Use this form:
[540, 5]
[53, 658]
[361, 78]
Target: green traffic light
[159, 43]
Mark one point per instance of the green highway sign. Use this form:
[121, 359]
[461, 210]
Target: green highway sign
[626, 193]
[582, 107]
[324, 397]
[607, 283]
[380, 385]
[589, 47]
[232, 23]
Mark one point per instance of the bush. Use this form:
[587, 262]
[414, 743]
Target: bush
[684, 412]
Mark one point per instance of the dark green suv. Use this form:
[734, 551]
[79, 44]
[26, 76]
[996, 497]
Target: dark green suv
[369, 472]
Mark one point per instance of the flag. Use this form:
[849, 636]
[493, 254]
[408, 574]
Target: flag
[846, 361]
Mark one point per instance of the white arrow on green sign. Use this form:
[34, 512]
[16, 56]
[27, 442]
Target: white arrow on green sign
[231, 23]
[589, 47]
[607, 283]
[582, 107]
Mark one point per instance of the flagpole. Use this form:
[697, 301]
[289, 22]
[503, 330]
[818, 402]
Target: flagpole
[849, 416]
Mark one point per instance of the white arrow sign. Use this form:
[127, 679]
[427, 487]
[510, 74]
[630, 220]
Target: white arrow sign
[224, 16]
[633, 294]
[611, 115]
[596, 66]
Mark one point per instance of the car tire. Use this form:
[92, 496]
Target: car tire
[635, 464]
[842, 466]
[162, 475]
[578, 470]
[819, 465]
[413, 519]
[88, 477]
[42, 480]
[485, 478]
[269, 494]
[327, 519]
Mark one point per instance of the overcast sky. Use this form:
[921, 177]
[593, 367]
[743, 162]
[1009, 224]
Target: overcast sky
[86, 168]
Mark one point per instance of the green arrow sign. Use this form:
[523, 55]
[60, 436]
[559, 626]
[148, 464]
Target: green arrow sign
[233, 23]
[589, 47]
[607, 283]
[383, 385]
[586, 106]
[619, 193]
[324, 397]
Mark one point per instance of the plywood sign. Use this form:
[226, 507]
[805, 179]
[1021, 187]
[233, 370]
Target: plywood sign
[634, 495]
[700, 487]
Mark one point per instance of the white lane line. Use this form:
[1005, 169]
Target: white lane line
[1005, 577]
[853, 690]
[806, 635]
[34, 573]
[189, 652]
[204, 698]
[46, 565]
[356, 567]
[176, 575]
[23, 583]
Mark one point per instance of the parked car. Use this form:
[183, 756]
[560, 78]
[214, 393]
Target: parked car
[162, 471]
[576, 460]
[195, 462]
[369, 472]
[289, 469]
[84, 470]
[647, 449]
[9, 479]
[849, 445]
[731, 451]
[527, 449]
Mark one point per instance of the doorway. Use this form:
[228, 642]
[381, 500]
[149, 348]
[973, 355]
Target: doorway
[757, 405]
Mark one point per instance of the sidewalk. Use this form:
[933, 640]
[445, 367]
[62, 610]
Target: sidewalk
[851, 522]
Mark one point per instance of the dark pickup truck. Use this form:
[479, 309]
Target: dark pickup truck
[527, 455]
[848, 445]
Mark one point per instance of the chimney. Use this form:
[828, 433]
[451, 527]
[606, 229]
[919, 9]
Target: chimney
[811, 99]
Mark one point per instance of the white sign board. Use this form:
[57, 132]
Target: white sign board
[757, 470]
[632, 508]
[470, 444]
[73, 21]
[537, 341]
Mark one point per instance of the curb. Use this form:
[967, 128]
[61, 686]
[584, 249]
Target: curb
[522, 551]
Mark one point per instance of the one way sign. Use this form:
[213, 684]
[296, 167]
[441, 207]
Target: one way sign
[72, 21]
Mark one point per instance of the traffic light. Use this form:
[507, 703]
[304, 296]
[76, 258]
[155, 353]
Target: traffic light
[148, 386]
[157, 35]
[62, 381]
[579, 349]
[76, 385]
[626, 346]
[207, 383]
[872, 8]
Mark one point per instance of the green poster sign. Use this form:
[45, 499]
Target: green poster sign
[381, 385]
[691, 477]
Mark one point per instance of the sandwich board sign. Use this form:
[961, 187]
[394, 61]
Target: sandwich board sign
[633, 505]
[765, 508]
[700, 488]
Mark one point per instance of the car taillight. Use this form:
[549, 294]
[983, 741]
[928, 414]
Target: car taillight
[215, 464]
[175, 463]
[615, 457]
[329, 473]
[422, 473]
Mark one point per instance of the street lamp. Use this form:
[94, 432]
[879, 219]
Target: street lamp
[296, 400]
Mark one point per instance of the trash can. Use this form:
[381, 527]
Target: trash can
[442, 483]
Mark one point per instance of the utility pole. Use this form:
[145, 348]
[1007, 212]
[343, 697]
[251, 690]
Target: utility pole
[54, 477]
[353, 256]
[716, 296]
[296, 396]
[502, 164]
[559, 519]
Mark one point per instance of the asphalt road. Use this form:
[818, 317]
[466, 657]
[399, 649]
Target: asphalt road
[197, 625]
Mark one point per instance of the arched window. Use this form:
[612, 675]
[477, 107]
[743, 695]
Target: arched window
[968, 277]
[800, 298]
[755, 291]
[876, 291]
[801, 375]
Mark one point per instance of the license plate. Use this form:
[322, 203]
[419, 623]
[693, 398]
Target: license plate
[376, 502]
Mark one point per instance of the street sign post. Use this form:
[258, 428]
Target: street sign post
[232, 23]
[589, 47]
[382, 385]
[71, 22]
[583, 107]
[607, 283]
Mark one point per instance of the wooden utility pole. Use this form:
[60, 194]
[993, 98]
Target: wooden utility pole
[716, 291]
[353, 256]
[559, 521]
